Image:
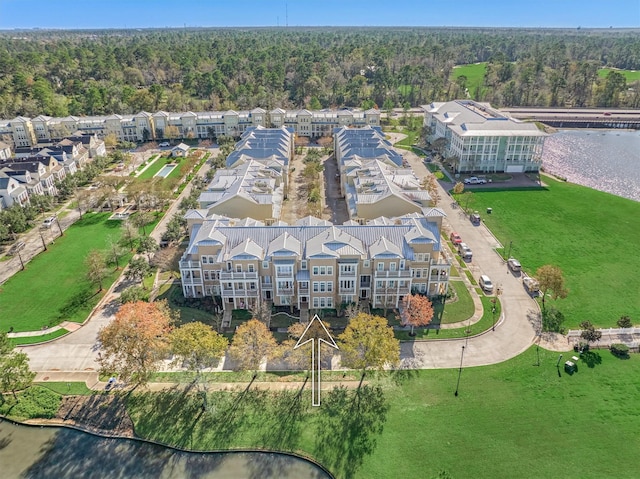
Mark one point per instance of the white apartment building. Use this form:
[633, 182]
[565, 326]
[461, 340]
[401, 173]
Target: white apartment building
[480, 138]
[144, 126]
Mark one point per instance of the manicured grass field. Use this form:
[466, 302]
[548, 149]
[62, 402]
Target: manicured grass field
[75, 388]
[630, 75]
[513, 419]
[474, 72]
[53, 287]
[155, 167]
[587, 233]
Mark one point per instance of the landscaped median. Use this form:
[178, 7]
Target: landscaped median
[504, 419]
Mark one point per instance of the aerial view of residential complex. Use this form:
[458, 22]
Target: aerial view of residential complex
[273, 242]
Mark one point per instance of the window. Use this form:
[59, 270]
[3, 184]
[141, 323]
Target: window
[380, 266]
[366, 263]
[265, 265]
[303, 264]
[204, 259]
[402, 263]
[323, 270]
[229, 266]
[251, 268]
[330, 286]
[392, 266]
[316, 286]
[238, 268]
[316, 270]
[330, 270]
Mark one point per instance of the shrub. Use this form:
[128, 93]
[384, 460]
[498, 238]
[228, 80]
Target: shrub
[624, 322]
[35, 402]
[619, 350]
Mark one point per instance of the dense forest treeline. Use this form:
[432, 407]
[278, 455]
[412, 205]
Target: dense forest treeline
[59, 73]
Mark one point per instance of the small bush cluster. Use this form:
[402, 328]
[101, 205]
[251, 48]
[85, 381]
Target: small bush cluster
[35, 402]
[619, 350]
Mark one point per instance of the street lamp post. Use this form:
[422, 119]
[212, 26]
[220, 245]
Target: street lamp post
[459, 372]
[44, 244]
[60, 227]
[21, 262]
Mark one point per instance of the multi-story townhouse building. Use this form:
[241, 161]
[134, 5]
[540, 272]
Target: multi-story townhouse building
[373, 179]
[12, 192]
[314, 264]
[46, 170]
[26, 179]
[480, 138]
[143, 126]
[250, 187]
[5, 151]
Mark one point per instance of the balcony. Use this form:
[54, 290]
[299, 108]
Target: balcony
[303, 290]
[267, 286]
[192, 281]
[239, 293]
[347, 274]
[233, 275]
[346, 290]
[404, 290]
[393, 274]
[189, 264]
[284, 292]
[284, 274]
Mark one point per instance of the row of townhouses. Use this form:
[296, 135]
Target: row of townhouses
[146, 126]
[480, 138]
[374, 178]
[35, 170]
[314, 264]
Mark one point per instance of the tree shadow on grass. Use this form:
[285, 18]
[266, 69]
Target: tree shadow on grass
[591, 358]
[289, 410]
[347, 427]
[76, 303]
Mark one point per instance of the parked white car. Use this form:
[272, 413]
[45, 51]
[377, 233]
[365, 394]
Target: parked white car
[48, 222]
[164, 143]
[474, 180]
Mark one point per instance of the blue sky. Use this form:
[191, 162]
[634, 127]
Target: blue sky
[216, 13]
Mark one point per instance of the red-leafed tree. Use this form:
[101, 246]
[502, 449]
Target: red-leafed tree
[416, 310]
[134, 343]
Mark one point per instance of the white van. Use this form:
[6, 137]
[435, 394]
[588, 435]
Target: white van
[486, 284]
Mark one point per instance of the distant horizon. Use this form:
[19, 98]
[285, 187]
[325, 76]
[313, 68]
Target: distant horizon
[154, 14]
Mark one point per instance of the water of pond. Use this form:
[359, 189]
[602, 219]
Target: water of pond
[606, 160]
[51, 452]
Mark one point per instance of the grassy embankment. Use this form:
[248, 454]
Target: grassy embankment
[587, 233]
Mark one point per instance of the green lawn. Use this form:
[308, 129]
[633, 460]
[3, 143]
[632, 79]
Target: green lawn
[53, 287]
[474, 72]
[509, 420]
[485, 323]
[585, 232]
[39, 339]
[155, 167]
[630, 75]
[68, 388]
[150, 160]
[452, 312]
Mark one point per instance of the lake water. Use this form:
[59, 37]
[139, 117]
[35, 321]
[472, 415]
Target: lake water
[60, 453]
[607, 160]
